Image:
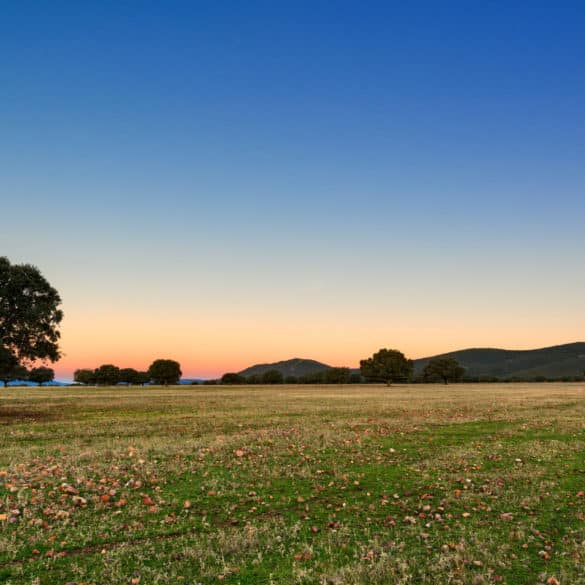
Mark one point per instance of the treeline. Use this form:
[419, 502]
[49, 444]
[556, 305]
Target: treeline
[12, 371]
[386, 366]
[161, 371]
[329, 376]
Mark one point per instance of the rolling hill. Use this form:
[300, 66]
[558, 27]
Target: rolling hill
[551, 362]
[558, 361]
[293, 367]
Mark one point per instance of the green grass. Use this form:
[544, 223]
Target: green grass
[293, 484]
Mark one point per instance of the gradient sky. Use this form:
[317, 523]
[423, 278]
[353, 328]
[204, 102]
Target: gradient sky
[225, 183]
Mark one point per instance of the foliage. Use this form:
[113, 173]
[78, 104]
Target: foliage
[387, 365]
[272, 377]
[312, 378]
[232, 378]
[29, 313]
[10, 369]
[107, 375]
[165, 371]
[85, 376]
[336, 376]
[41, 375]
[142, 378]
[445, 369]
[129, 376]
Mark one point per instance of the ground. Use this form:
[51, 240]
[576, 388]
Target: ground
[431, 484]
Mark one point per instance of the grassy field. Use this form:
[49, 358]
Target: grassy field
[293, 484]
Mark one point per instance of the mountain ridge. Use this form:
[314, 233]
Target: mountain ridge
[556, 361]
[551, 362]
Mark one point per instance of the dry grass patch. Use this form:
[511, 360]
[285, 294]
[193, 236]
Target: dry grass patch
[412, 484]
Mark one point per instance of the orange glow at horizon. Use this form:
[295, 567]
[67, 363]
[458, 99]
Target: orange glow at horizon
[207, 348]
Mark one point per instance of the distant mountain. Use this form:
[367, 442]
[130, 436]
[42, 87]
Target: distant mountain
[294, 367]
[27, 383]
[552, 362]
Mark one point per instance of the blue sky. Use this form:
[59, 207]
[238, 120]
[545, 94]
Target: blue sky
[335, 176]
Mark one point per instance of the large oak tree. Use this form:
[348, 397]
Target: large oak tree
[445, 369]
[165, 372]
[386, 365]
[29, 313]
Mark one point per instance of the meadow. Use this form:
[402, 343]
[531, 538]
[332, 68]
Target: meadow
[460, 484]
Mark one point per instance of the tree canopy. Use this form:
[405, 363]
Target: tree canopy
[272, 377]
[233, 378]
[107, 375]
[10, 369]
[84, 376]
[165, 372]
[41, 375]
[29, 313]
[387, 365]
[336, 376]
[129, 376]
[445, 369]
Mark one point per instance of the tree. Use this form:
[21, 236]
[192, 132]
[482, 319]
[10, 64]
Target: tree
[165, 372]
[10, 369]
[232, 378]
[336, 376]
[84, 376]
[387, 365]
[291, 380]
[129, 376]
[29, 313]
[312, 378]
[107, 375]
[446, 369]
[143, 378]
[41, 375]
[272, 377]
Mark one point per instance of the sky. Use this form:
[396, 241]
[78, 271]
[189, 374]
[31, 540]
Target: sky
[226, 183]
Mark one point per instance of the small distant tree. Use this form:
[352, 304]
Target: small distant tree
[129, 376]
[233, 378]
[312, 378]
[355, 379]
[445, 369]
[387, 365]
[291, 380]
[165, 372]
[272, 377]
[107, 375]
[10, 369]
[336, 376]
[143, 378]
[41, 375]
[84, 376]
[254, 379]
